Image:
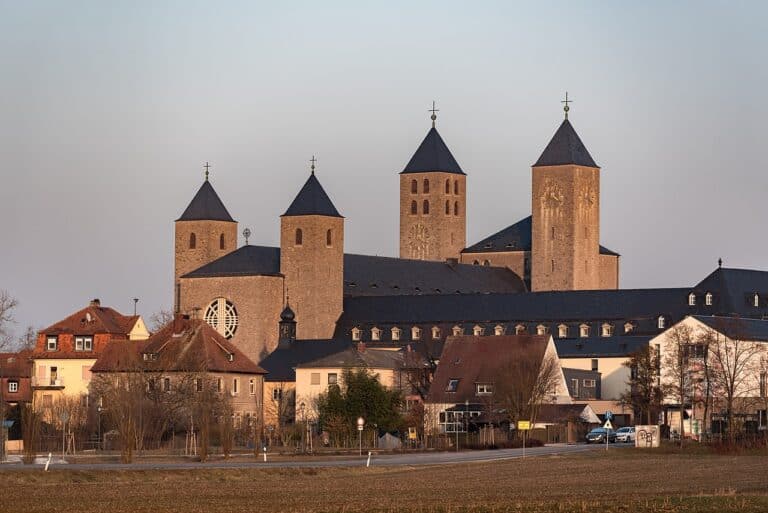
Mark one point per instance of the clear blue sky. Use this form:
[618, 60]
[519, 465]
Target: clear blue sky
[109, 109]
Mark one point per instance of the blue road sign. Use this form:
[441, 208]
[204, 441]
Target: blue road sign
[608, 415]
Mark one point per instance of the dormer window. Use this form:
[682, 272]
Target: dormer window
[584, 330]
[562, 331]
[607, 330]
[356, 334]
[415, 333]
[477, 330]
[396, 333]
[519, 329]
[628, 327]
[83, 343]
[662, 322]
[498, 330]
[51, 344]
[708, 299]
[435, 333]
[756, 300]
[458, 331]
[541, 329]
[483, 389]
[691, 299]
[375, 334]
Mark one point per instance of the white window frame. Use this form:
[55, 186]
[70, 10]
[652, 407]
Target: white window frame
[435, 333]
[691, 299]
[458, 331]
[607, 330]
[584, 330]
[589, 383]
[13, 387]
[335, 378]
[477, 330]
[708, 299]
[483, 389]
[396, 333]
[375, 334]
[498, 330]
[415, 333]
[562, 331]
[52, 343]
[252, 386]
[541, 329]
[356, 334]
[661, 322]
[756, 300]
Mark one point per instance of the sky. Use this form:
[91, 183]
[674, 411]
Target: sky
[108, 111]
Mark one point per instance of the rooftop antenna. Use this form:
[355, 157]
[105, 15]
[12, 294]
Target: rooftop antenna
[207, 167]
[312, 167]
[246, 234]
[135, 302]
[719, 263]
[566, 108]
[433, 110]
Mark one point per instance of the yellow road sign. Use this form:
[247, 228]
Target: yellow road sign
[524, 425]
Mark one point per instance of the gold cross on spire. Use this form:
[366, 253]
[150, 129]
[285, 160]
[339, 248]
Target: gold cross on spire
[433, 110]
[566, 108]
[312, 167]
[207, 166]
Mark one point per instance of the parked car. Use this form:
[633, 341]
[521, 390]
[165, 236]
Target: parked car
[625, 434]
[598, 435]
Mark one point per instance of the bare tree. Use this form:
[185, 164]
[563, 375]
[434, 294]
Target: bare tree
[679, 376]
[734, 367]
[644, 394]
[159, 319]
[122, 395]
[28, 339]
[7, 306]
[524, 383]
[30, 431]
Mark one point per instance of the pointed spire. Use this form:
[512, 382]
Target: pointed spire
[565, 148]
[206, 206]
[433, 154]
[312, 200]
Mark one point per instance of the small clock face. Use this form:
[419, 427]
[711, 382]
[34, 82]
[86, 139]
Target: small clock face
[588, 196]
[552, 196]
[418, 240]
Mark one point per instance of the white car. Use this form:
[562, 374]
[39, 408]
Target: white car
[625, 434]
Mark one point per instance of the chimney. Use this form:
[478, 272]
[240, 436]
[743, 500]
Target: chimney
[179, 324]
[361, 347]
[95, 302]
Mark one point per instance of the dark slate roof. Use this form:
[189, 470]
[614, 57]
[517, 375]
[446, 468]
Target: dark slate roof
[565, 306]
[206, 206]
[600, 347]
[282, 362]
[516, 237]
[737, 328]
[312, 200]
[565, 148]
[376, 276]
[433, 155]
[733, 291]
[244, 261]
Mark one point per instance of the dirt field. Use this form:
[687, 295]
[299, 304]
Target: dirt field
[622, 481]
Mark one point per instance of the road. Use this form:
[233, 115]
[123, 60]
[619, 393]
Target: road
[384, 460]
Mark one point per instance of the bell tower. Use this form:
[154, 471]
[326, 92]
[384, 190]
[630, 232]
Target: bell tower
[566, 215]
[433, 202]
[203, 233]
[312, 260]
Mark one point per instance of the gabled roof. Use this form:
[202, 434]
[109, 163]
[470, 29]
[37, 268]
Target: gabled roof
[281, 363]
[352, 357]
[366, 275]
[312, 200]
[206, 206]
[94, 319]
[474, 360]
[16, 365]
[433, 155]
[734, 289]
[182, 345]
[737, 328]
[516, 237]
[600, 347]
[565, 148]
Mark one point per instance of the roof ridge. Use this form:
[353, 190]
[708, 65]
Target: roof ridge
[206, 206]
[565, 148]
[433, 155]
[312, 200]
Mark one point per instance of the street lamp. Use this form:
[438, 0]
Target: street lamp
[302, 407]
[360, 426]
[99, 409]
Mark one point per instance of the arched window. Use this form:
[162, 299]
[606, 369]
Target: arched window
[447, 207]
[414, 208]
[456, 187]
[395, 333]
[414, 186]
[584, 330]
[425, 207]
[562, 331]
[447, 186]
[708, 299]
[486, 263]
[662, 322]
[221, 241]
[328, 238]
[192, 240]
[299, 237]
[476, 262]
[222, 316]
[456, 208]
[691, 299]
[426, 186]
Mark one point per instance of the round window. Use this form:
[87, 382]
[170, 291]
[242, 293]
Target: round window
[222, 316]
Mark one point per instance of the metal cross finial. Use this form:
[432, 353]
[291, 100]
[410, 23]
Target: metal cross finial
[246, 234]
[433, 110]
[207, 166]
[566, 102]
[312, 167]
[719, 262]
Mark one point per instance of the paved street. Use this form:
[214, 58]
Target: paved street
[435, 458]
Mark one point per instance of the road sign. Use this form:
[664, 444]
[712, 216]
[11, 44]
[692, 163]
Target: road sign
[411, 433]
[524, 425]
[360, 423]
[608, 415]
[608, 424]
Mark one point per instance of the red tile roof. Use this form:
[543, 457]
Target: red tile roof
[16, 365]
[93, 319]
[474, 360]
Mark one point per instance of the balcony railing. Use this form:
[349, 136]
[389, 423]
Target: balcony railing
[47, 382]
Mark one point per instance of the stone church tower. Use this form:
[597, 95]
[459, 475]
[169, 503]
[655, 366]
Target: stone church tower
[203, 233]
[312, 260]
[566, 215]
[433, 206]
